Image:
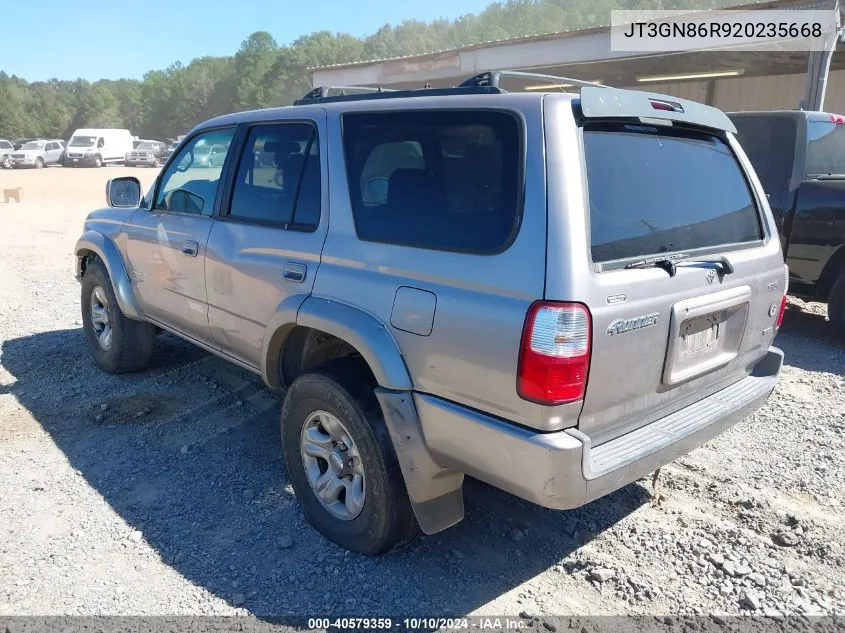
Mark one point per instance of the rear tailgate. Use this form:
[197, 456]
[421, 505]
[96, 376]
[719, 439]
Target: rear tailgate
[679, 186]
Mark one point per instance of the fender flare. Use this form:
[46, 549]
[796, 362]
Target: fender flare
[97, 243]
[360, 329]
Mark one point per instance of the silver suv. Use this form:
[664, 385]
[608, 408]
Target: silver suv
[554, 293]
[38, 154]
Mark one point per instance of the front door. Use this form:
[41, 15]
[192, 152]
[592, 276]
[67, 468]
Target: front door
[167, 242]
[266, 244]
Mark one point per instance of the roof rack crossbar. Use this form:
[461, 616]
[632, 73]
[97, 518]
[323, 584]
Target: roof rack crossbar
[493, 79]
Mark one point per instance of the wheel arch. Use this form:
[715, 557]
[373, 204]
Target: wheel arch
[93, 243]
[361, 331]
[832, 270]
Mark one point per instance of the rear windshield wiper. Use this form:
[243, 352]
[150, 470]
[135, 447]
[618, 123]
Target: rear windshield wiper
[670, 264]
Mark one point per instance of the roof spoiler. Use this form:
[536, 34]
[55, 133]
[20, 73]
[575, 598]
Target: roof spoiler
[601, 103]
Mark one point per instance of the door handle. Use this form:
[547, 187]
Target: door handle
[294, 271]
[190, 249]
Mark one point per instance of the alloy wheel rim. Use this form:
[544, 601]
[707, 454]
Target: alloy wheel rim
[101, 318]
[333, 465]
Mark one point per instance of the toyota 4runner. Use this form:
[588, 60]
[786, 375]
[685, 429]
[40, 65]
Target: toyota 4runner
[554, 293]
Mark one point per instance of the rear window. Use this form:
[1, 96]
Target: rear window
[825, 148]
[663, 190]
[442, 180]
[768, 142]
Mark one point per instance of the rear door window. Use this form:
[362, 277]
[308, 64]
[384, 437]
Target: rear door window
[657, 190]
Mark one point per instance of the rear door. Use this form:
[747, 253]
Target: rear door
[665, 337]
[266, 243]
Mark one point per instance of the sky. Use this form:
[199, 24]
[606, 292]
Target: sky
[114, 39]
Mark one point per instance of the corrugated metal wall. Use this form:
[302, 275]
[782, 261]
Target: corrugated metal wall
[775, 92]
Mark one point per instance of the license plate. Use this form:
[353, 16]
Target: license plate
[75, 160]
[700, 335]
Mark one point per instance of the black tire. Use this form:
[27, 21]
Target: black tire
[386, 522]
[836, 307]
[98, 161]
[39, 163]
[132, 342]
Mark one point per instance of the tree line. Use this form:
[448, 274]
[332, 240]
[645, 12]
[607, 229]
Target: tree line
[166, 103]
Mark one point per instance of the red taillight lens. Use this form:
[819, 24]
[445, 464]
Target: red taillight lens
[554, 357]
[837, 118]
[781, 313]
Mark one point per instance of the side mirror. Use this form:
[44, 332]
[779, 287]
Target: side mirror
[123, 193]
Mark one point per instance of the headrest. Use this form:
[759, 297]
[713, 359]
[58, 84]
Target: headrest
[282, 147]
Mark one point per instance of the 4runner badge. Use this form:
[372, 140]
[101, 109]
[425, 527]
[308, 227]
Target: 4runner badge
[620, 326]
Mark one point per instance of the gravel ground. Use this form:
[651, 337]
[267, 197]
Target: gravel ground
[163, 492]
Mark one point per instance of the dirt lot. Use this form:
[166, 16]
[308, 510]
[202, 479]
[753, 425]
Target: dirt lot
[164, 493]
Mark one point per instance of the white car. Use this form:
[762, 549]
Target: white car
[6, 149]
[38, 154]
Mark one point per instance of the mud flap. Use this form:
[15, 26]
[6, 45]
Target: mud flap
[436, 492]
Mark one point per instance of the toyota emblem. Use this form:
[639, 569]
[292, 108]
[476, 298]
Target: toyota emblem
[711, 276]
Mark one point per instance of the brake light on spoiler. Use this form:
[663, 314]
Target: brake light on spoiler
[668, 106]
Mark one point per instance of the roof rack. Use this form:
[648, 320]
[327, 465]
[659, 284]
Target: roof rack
[484, 83]
[321, 92]
[493, 78]
[315, 96]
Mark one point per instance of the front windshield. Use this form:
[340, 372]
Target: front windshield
[147, 145]
[83, 141]
[33, 145]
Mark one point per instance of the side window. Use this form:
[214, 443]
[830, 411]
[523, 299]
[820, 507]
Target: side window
[438, 180]
[768, 144]
[101, 143]
[278, 179]
[190, 183]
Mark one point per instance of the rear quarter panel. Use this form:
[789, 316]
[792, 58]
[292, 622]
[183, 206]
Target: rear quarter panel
[818, 230]
[470, 356]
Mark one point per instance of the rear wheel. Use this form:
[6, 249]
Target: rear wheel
[117, 343]
[341, 463]
[836, 306]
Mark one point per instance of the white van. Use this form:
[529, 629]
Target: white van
[97, 147]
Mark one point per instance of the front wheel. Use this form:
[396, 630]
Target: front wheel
[98, 161]
[836, 307]
[341, 463]
[7, 162]
[117, 343]
[39, 163]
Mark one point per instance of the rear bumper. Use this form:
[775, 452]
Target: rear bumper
[563, 470]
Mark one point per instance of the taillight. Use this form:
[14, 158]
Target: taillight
[554, 356]
[781, 312]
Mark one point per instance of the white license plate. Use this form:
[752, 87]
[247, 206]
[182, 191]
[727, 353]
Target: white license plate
[75, 160]
[697, 342]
